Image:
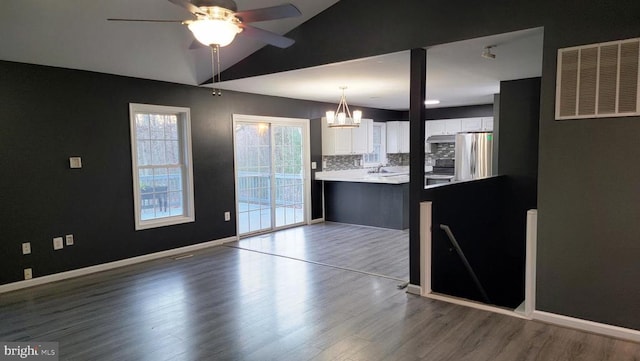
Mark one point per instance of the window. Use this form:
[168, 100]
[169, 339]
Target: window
[162, 166]
[379, 154]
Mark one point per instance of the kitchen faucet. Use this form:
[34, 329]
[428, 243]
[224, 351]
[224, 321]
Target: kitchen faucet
[377, 169]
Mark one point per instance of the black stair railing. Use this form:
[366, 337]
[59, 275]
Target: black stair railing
[473, 275]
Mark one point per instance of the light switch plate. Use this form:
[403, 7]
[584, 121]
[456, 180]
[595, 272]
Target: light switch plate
[26, 248]
[314, 165]
[75, 162]
[57, 243]
[68, 239]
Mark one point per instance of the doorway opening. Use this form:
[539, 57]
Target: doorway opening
[272, 173]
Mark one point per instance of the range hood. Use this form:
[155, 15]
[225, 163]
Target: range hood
[441, 139]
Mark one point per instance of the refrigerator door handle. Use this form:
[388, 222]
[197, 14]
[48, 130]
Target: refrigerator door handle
[474, 155]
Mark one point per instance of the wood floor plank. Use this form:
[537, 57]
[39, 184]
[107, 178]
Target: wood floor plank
[227, 303]
[369, 249]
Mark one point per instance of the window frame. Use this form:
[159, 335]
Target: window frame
[186, 165]
[383, 146]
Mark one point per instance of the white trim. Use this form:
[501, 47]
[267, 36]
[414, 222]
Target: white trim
[589, 326]
[111, 265]
[302, 122]
[186, 163]
[530, 262]
[476, 305]
[530, 285]
[316, 221]
[414, 290]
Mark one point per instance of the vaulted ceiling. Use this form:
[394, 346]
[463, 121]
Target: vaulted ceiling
[75, 34]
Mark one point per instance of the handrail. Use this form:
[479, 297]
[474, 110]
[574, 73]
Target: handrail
[455, 244]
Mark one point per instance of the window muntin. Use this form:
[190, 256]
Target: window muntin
[162, 167]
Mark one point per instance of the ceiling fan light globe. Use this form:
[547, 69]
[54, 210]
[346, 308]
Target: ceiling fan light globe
[214, 31]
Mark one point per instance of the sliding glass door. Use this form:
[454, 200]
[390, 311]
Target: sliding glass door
[271, 185]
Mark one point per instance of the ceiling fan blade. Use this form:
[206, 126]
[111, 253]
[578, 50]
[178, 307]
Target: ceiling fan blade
[148, 20]
[266, 36]
[270, 13]
[188, 6]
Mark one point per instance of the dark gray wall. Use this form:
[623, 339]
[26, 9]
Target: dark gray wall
[472, 111]
[49, 114]
[488, 217]
[469, 111]
[587, 190]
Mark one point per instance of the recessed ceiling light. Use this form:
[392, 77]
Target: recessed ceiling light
[431, 102]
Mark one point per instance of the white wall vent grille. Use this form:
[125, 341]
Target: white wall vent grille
[599, 80]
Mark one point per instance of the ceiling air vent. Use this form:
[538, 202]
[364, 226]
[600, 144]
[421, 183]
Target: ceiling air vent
[599, 80]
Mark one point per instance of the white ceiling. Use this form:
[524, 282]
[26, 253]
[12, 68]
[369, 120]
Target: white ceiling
[75, 34]
[457, 74]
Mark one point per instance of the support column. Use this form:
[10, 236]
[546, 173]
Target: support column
[417, 93]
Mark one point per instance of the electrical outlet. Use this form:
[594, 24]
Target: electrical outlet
[68, 239]
[227, 216]
[26, 248]
[28, 273]
[314, 165]
[57, 243]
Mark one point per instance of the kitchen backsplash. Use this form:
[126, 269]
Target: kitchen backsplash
[398, 159]
[344, 162]
[440, 151]
[341, 162]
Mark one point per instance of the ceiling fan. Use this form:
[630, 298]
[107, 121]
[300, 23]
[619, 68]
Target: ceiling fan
[217, 22]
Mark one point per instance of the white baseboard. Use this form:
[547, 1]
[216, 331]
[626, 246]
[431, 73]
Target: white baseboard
[316, 221]
[414, 290]
[476, 305]
[588, 326]
[111, 265]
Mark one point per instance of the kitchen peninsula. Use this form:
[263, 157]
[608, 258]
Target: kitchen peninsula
[372, 199]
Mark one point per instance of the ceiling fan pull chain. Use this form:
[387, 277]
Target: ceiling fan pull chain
[215, 64]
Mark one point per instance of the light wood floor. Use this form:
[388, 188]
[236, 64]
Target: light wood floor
[227, 303]
[368, 249]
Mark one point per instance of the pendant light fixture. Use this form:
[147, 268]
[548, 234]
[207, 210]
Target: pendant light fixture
[341, 118]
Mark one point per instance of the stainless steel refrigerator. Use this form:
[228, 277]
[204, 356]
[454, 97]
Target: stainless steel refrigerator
[473, 155]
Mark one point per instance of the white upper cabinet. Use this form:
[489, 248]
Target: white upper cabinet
[452, 126]
[397, 137]
[346, 141]
[362, 138]
[434, 127]
[467, 125]
[443, 127]
[487, 124]
[471, 124]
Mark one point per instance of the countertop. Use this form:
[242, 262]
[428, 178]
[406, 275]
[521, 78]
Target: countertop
[390, 175]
